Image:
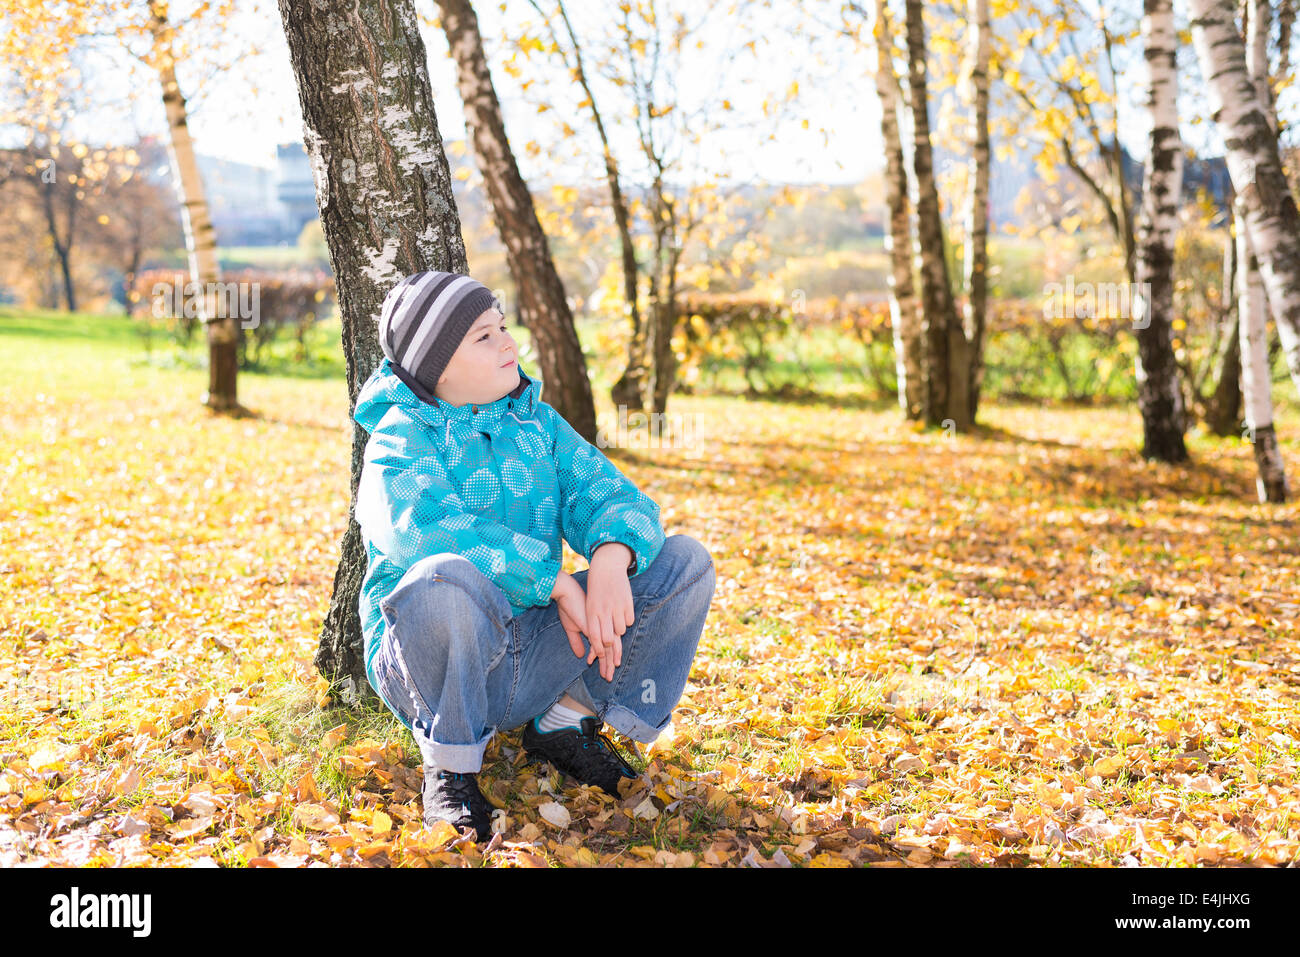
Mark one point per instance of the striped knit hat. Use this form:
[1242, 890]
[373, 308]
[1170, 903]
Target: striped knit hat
[424, 320]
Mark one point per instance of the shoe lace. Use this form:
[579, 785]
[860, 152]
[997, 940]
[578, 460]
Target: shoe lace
[606, 753]
[462, 789]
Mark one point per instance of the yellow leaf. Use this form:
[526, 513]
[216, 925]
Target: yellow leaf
[340, 842]
[438, 835]
[182, 830]
[268, 752]
[50, 756]
[1109, 767]
[315, 817]
[128, 782]
[827, 860]
[334, 736]
[306, 790]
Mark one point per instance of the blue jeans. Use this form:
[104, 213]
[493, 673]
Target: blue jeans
[456, 664]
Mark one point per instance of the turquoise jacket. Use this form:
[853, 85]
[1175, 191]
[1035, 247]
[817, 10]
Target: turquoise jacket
[498, 483]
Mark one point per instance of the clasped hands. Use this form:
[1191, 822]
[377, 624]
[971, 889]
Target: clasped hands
[604, 612]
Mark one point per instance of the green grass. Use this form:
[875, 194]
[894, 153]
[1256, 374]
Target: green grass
[295, 724]
[735, 652]
[819, 365]
[101, 353]
[857, 702]
[240, 257]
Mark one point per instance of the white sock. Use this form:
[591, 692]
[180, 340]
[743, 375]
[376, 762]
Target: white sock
[558, 716]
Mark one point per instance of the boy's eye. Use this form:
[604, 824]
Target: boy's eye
[485, 335]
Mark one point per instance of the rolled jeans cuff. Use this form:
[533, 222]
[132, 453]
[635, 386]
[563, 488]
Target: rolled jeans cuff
[462, 758]
[626, 722]
[619, 718]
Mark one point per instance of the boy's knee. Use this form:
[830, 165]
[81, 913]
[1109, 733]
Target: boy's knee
[442, 627]
[449, 567]
[697, 559]
[461, 590]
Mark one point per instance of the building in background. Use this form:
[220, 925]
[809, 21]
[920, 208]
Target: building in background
[243, 203]
[295, 189]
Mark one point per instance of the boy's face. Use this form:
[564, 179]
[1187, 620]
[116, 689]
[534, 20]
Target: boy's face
[484, 368]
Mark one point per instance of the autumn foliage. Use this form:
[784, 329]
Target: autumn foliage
[1018, 647]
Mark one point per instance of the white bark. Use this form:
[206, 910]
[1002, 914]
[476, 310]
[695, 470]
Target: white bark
[1255, 378]
[1159, 394]
[1258, 22]
[1252, 302]
[975, 260]
[903, 312]
[196, 222]
[200, 237]
[1254, 163]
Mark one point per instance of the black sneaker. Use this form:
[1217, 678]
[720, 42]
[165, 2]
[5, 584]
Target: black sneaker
[583, 754]
[455, 797]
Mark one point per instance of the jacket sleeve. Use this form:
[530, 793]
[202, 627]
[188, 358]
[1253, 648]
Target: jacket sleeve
[599, 504]
[408, 509]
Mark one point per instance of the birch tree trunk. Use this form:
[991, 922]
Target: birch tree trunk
[1285, 23]
[1160, 397]
[1258, 15]
[1266, 207]
[1256, 370]
[661, 361]
[898, 239]
[975, 261]
[200, 238]
[1223, 408]
[383, 188]
[946, 396]
[1256, 378]
[543, 307]
[1224, 403]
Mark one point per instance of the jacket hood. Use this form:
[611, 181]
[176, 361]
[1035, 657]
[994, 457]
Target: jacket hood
[390, 385]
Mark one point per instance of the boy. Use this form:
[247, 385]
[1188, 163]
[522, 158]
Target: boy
[469, 482]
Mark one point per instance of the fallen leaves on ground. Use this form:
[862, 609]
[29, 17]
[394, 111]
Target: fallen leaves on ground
[1015, 648]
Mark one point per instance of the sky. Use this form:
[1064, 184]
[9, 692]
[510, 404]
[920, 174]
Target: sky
[242, 114]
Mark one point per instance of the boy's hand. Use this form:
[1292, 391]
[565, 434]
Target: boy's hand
[609, 608]
[571, 603]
